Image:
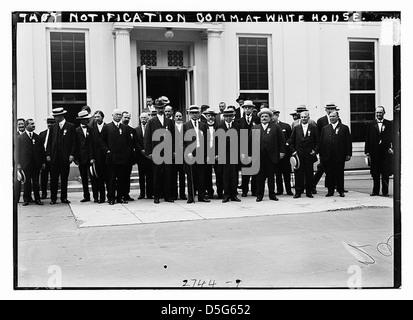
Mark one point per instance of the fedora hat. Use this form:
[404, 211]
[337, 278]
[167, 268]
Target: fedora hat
[301, 108]
[83, 115]
[164, 100]
[93, 171]
[248, 103]
[295, 162]
[21, 177]
[265, 111]
[331, 105]
[58, 112]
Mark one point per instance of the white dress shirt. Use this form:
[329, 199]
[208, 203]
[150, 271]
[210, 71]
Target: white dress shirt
[62, 124]
[100, 126]
[196, 126]
[305, 129]
[265, 126]
[161, 119]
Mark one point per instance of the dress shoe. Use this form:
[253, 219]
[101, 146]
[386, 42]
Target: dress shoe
[279, 193]
[150, 198]
[53, 202]
[274, 198]
[25, 204]
[345, 191]
[39, 203]
[297, 196]
[84, 200]
[244, 195]
[206, 200]
[314, 191]
[184, 198]
[259, 199]
[156, 201]
[386, 195]
[374, 194]
[170, 200]
[129, 199]
[342, 195]
[290, 193]
[330, 194]
[122, 201]
[310, 196]
[235, 199]
[101, 201]
[65, 201]
[111, 202]
[190, 200]
[225, 200]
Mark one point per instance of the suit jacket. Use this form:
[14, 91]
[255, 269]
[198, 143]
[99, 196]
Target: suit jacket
[65, 139]
[218, 119]
[303, 145]
[244, 123]
[98, 151]
[153, 125]
[203, 133]
[84, 146]
[235, 126]
[30, 152]
[43, 136]
[133, 146]
[338, 140]
[118, 141]
[287, 131]
[272, 141]
[321, 123]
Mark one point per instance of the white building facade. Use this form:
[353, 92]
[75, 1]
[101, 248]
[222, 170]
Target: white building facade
[117, 65]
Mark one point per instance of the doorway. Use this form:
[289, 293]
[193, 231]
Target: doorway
[169, 83]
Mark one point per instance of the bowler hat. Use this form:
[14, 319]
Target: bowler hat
[265, 111]
[295, 162]
[58, 112]
[83, 115]
[21, 177]
[248, 103]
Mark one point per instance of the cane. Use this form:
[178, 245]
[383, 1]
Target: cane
[192, 183]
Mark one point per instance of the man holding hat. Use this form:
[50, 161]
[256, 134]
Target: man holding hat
[60, 152]
[44, 175]
[247, 122]
[31, 158]
[84, 152]
[229, 169]
[272, 150]
[304, 143]
[161, 172]
[321, 123]
[196, 171]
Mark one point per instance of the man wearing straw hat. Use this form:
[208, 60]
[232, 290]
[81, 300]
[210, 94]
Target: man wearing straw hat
[84, 152]
[45, 173]
[60, 153]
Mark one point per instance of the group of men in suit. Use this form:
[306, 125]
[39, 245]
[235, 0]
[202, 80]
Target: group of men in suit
[106, 152]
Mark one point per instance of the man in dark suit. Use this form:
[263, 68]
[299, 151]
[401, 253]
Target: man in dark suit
[144, 163]
[45, 173]
[116, 142]
[195, 160]
[229, 168]
[98, 182]
[379, 147]
[161, 172]
[247, 122]
[283, 169]
[304, 143]
[203, 118]
[84, 157]
[335, 149]
[60, 153]
[272, 149]
[126, 117]
[31, 158]
[321, 123]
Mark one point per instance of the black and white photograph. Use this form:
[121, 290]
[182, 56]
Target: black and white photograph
[206, 150]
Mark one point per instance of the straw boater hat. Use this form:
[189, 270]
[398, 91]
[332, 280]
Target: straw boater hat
[301, 108]
[58, 112]
[248, 103]
[295, 162]
[265, 111]
[193, 109]
[229, 112]
[332, 105]
[83, 115]
[210, 112]
[21, 177]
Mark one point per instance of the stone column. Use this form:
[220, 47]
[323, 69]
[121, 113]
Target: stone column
[123, 67]
[214, 69]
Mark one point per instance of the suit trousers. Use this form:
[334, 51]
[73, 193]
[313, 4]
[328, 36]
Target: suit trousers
[84, 174]
[62, 170]
[267, 172]
[44, 178]
[209, 185]
[230, 180]
[219, 180]
[283, 175]
[98, 184]
[304, 176]
[128, 174]
[178, 175]
[17, 190]
[32, 184]
[116, 181]
[385, 180]
[145, 178]
[334, 174]
[162, 181]
[196, 180]
[318, 175]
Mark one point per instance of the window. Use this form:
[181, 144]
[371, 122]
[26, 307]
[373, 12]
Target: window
[362, 87]
[253, 68]
[68, 72]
